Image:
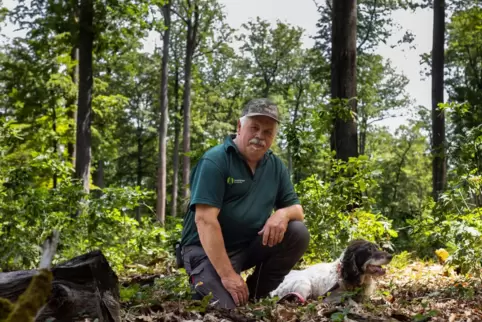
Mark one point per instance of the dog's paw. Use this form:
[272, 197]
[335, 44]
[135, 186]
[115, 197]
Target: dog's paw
[292, 297]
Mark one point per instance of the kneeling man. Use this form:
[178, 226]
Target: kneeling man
[230, 225]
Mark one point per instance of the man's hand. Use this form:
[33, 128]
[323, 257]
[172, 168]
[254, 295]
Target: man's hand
[236, 286]
[213, 244]
[275, 228]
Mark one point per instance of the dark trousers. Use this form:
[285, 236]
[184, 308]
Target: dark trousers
[271, 265]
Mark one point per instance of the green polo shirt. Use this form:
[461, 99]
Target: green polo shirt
[223, 179]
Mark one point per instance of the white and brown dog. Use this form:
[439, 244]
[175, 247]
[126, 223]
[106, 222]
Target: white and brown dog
[356, 268]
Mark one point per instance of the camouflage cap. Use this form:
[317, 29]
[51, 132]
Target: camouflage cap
[261, 106]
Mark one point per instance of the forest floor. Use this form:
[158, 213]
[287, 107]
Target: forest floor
[410, 291]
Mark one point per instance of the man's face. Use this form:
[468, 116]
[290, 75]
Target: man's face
[255, 137]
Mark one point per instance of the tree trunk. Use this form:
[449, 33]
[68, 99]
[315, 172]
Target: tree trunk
[54, 143]
[83, 287]
[363, 134]
[192, 27]
[177, 131]
[162, 171]
[72, 111]
[439, 170]
[267, 87]
[296, 174]
[74, 56]
[98, 176]
[397, 177]
[84, 111]
[343, 77]
[140, 149]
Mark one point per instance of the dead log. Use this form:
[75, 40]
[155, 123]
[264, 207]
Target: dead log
[83, 287]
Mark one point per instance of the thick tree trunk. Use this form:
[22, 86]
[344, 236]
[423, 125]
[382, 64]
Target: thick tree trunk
[343, 77]
[192, 27]
[439, 171]
[84, 111]
[162, 171]
[83, 287]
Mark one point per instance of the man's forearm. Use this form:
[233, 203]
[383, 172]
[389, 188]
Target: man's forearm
[293, 213]
[212, 242]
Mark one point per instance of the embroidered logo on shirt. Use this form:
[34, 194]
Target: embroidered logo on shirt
[231, 180]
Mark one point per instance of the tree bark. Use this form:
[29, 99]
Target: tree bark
[162, 171]
[439, 170]
[177, 131]
[343, 77]
[192, 29]
[98, 175]
[72, 111]
[84, 111]
[74, 56]
[83, 287]
[363, 134]
[55, 143]
[295, 174]
[140, 151]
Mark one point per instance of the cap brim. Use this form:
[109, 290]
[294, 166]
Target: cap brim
[262, 114]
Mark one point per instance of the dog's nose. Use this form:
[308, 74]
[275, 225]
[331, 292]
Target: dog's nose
[389, 256]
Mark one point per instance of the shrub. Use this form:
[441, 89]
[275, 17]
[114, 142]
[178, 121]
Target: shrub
[339, 210]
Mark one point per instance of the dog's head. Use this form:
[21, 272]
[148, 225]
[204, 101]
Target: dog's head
[361, 258]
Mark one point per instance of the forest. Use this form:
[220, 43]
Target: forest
[98, 137]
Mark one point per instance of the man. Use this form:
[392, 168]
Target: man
[230, 225]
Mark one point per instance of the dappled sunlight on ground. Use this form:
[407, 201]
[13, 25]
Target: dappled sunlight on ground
[411, 292]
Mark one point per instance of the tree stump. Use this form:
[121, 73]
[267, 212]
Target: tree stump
[83, 287]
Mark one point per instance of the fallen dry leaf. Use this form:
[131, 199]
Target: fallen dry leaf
[417, 292]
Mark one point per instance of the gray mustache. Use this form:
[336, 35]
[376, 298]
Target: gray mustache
[257, 141]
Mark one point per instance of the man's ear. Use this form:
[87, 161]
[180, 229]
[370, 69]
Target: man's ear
[239, 127]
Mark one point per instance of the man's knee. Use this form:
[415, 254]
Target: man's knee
[298, 234]
[206, 282]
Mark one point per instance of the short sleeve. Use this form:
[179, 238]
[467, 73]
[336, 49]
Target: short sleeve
[207, 185]
[286, 192]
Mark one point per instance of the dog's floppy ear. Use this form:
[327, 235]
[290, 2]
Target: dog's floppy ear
[349, 268]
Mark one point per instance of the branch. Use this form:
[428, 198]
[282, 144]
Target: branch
[381, 119]
[207, 24]
[210, 51]
[179, 15]
[369, 30]
[195, 27]
[329, 5]
[317, 5]
[187, 8]
[473, 65]
[399, 172]
[263, 71]
[48, 250]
